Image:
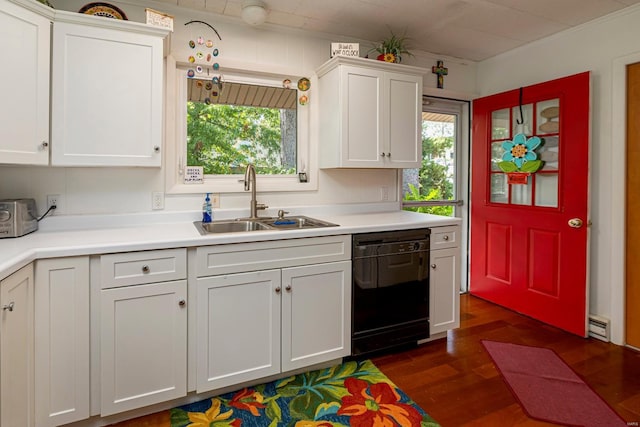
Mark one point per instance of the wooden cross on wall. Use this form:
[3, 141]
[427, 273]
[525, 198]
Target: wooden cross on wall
[441, 71]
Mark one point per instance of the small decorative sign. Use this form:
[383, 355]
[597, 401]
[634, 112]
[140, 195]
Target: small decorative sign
[345, 49]
[193, 175]
[159, 19]
[518, 178]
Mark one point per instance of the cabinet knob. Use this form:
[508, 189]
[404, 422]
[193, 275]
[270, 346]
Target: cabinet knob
[383, 154]
[445, 237]
[388, 154]
[44, 145]
[156, 148]
[433, 266]
[288, 288]
[145, 269]
[182, 303]
[278, 290]
[8, 307]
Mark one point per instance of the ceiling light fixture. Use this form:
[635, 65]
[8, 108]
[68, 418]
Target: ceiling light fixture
[254, 12]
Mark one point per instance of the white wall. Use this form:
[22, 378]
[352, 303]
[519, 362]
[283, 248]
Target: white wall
[602, 47]
[269, 49]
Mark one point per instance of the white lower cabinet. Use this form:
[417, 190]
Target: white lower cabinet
[143, 341]
[444, 279]
[61, 340]
[316, 314]
[142, 328]
[16, 349]
[238, 328]
[258, 323]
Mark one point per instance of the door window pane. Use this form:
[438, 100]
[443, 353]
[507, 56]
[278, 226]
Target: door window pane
[549, 152]
[499, 188]
[548, 116]
[547, 190]
[496, 155]
[527, 120]
[500, 124]
[436, 187]
[521, 193]
[435, 180]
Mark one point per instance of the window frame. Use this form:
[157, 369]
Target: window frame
[176, 142]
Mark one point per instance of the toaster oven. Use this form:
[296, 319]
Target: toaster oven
[18, 217]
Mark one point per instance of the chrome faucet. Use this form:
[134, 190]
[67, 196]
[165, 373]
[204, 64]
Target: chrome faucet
[250, 184]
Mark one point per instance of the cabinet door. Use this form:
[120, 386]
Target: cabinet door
[61, 341]
[362, 129]
[403, 120]
[316, 314]
[238, 328]
[106, 97]
[444, 290]
[140, 324]
[16, 349]
[24, 109]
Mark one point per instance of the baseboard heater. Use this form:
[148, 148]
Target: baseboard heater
[599, 328]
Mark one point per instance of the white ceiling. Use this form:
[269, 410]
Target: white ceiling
[469, 29]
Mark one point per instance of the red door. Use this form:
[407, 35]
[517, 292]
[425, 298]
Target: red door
[529, 241]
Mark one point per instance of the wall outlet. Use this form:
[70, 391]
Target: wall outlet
[215, 200]
[384, 193]
[54, 199]
[157, 200]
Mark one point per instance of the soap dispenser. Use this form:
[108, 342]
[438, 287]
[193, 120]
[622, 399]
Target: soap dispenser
[207, 214]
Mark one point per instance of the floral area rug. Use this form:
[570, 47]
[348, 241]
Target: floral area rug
[355, 393]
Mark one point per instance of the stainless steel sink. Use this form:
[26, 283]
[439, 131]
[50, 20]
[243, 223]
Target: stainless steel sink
[230, 226]
[296, 222]
[260, 224]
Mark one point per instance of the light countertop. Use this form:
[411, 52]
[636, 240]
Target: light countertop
[88, 235]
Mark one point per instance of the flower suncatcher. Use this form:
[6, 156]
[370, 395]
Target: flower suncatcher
[519, 154]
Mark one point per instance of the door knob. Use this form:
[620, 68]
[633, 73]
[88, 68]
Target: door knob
[575, 223]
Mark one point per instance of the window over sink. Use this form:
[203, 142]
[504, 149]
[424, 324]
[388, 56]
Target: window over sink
[227, 120]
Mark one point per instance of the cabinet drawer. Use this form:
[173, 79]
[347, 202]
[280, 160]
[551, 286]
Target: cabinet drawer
[137, 268]
[445, 237]
[242, 257]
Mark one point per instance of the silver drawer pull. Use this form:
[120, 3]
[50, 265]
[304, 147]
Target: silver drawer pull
[8, 307]
[182, 303]
[445, 237]
[433, 266]
[145, 269]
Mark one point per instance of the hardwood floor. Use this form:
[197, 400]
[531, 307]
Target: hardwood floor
[455, 381]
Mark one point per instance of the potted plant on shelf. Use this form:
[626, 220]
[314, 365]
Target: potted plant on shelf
[392, 49]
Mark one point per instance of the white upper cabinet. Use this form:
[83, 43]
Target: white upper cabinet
[369, 114]
[24, 83]
[107, 92]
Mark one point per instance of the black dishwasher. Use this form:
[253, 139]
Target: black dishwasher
[390, 289]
